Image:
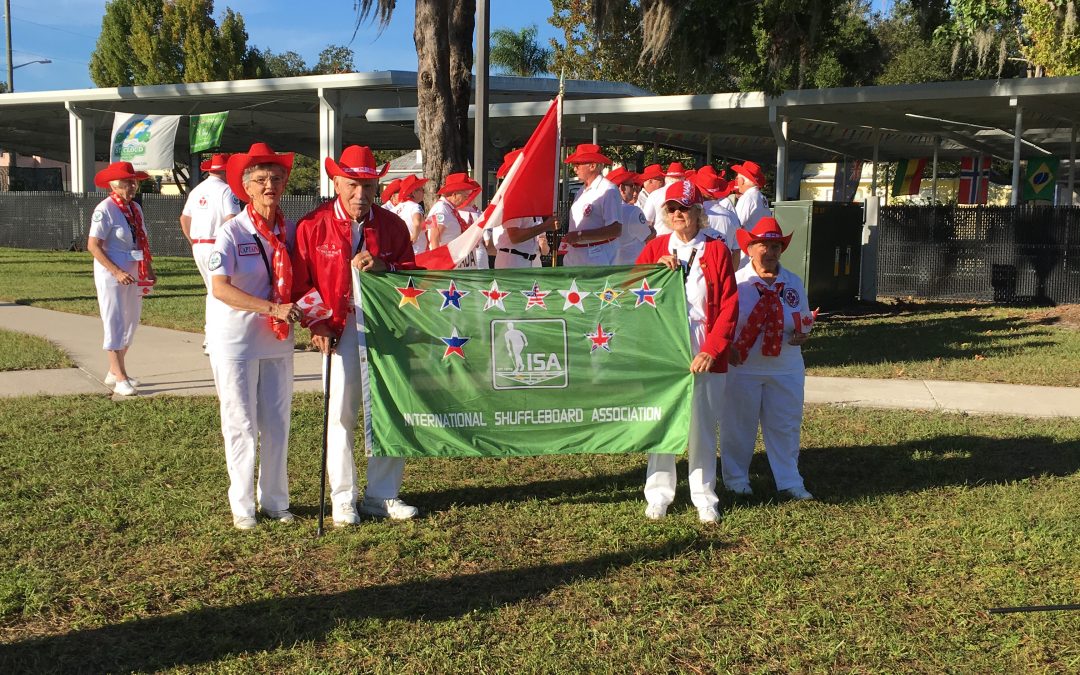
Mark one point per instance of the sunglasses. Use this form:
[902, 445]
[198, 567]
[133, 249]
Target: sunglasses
[672, 208]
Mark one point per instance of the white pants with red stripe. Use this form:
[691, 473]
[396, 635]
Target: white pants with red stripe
[776, 402]
[120, 307]
[660, 476]
[384, 474]
[256, 403]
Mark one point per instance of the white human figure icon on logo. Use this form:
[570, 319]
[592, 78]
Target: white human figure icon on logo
[515, 343]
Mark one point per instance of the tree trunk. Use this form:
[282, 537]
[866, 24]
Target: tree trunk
[462, 27]
[435, 119]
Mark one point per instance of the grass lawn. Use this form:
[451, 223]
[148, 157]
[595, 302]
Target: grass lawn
[950, 341]
[19, 351]
[117, 554]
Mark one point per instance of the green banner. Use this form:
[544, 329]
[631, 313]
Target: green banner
[527, 361]
[204, 131]
[1040, 179]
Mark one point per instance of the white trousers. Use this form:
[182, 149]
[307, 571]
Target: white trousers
[201, 254]
[120, 307]
[384, 474]
[256, 402]
[774, 400]
[660, 475]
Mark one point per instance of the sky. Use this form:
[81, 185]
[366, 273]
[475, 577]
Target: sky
[65, 32]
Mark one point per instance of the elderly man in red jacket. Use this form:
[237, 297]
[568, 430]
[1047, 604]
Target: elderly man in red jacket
[350, 230]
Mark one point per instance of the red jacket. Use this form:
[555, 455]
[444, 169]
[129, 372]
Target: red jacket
[324, 252]
[721, 295]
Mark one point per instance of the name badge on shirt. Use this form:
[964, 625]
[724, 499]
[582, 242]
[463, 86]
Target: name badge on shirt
[136, 254]
[248, 249]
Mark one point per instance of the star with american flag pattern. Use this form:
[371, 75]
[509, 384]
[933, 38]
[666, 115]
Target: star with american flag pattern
[536, 297]
[454, 343]
[645, 295]
[494, 297]
[409, 294]
[600, 339]
[452, 297]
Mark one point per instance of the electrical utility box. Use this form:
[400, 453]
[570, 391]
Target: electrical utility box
[826, 242]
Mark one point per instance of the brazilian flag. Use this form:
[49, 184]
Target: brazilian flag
[1040, 179]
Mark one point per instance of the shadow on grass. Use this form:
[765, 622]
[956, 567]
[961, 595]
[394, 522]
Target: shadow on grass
[205, 635]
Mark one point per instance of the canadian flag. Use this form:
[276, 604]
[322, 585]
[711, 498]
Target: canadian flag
[528, 190]
[313, 307]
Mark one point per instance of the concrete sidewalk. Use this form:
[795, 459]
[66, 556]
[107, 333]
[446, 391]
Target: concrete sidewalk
[172, 362]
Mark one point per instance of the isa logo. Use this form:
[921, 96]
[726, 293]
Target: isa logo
[528, 354]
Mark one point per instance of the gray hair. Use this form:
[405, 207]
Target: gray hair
[696, 215]
[261, 167]
[114, 184]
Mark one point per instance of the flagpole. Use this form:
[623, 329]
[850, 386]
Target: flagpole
[558, 157]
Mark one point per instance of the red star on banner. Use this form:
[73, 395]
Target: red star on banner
[494, 297]
[600, 339]
[409, 294]
[536, 297]
[574, 297]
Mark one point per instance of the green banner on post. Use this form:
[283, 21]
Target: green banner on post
[527, 361]
[204, 131]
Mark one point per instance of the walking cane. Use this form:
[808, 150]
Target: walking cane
[325, 430]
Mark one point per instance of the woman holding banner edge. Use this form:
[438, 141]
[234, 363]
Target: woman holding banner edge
[712, 310]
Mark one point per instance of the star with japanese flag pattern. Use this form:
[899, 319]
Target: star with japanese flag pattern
[452, 297]
[574, 297]
[600, 339]
[494, 297]
[536, 297]
[409, 294]
[645, 295]
[454, 343]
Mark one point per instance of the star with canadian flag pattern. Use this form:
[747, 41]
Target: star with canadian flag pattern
[454, 343]
[494, 297]
[452, 297]
[409, 294]
[645, 295]
[600, 339]
[536, 297]
[574, 297]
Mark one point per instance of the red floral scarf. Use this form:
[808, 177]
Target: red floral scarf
[767, 316]
[138, 233]
[281, 279]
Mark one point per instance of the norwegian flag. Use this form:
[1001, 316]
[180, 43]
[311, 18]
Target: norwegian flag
[528, 190]
[313, 307]
[974, 182]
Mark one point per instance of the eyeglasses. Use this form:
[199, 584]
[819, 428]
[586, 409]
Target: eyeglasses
[677, 207]
[263, 181]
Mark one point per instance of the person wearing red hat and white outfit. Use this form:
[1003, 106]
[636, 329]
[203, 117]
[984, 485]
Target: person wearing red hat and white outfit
[653, 208]
[123, 266]
[389, 197]
[636, 229]
[450, 216]
[752, 205]
[249, 332]
[209, 204]
[721, 219]
[712, 308]
[410, 208]
[350, 230]
[767, 381]
[652, 179]
[518, 242]
[594, 216]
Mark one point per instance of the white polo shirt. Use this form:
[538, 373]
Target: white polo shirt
[110, 226]
[751, 208]
[724, 221]
[233, 333]
[634, 233]
[209, 204]
[406, 210]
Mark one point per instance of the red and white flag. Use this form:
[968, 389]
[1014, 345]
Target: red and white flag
[528, 190]
[313, 308]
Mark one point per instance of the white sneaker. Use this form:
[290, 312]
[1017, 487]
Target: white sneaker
[797, 493]
[283, 516]
[708, 514]
[345, 515]
[244, 522]
[124, 388]
[742, 491]
[394, 509]
[655, 511]
[110, 380]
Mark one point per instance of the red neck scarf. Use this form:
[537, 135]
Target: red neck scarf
[138, 233]
[281, 279]
[767, 316]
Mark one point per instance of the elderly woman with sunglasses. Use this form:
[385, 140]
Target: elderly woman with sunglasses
[712, 308]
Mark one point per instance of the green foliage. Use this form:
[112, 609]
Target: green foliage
[304, 177]
[910, 52]
[19, 351]
[335, 59]
[285, 64]
[518, 52]
[1053, 40]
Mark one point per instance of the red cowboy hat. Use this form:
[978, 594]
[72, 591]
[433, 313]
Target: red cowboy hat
[675, 170]
[707, 170]
[751, 171]
[357, 162]
[458, 182]
[652, 172]
[712, 185]
[117, 171]
[620, 176]
[390, 190]
[767, 229]
[215, 163]
[508, 161]
[587, 153]
[410, 184]
[259, 153]
[682, 192]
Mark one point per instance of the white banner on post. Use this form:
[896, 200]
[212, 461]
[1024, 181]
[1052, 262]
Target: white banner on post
[144, 140]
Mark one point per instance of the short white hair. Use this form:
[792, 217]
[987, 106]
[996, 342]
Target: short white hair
[261, 167]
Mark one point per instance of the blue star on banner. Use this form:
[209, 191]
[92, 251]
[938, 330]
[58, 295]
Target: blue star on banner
[454, 343]
[645, 295]
[452, 297]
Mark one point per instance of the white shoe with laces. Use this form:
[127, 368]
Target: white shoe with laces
[708, 514]
[282, 516]
[110, 380]
[655, 511]
[799, 494]
[394, 509]
[124, 388]
[244, 522]
[345, 515]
